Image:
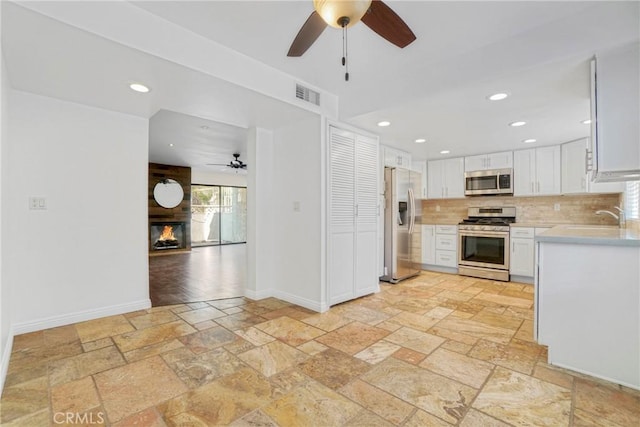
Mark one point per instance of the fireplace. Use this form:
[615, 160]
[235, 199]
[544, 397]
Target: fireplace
[167, 235]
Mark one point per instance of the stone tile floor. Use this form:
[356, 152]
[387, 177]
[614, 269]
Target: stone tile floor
[436, 350]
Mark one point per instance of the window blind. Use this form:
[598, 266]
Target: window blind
[632, 200]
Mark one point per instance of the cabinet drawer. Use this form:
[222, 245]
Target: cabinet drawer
[446, 229]
[446, 242]
[447, 258]
[522, 232]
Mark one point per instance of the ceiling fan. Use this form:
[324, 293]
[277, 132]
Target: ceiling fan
[236, 163]
[345, 13]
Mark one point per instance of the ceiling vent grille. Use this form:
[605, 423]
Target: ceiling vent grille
[307, 94]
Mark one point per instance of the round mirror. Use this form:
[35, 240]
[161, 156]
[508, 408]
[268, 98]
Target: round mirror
[168, 193]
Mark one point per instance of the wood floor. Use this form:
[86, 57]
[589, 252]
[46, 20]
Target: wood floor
[205, 273]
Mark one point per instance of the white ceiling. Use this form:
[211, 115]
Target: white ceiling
[434, 89]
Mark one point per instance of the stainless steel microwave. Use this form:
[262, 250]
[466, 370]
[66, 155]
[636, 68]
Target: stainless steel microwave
[488, 182]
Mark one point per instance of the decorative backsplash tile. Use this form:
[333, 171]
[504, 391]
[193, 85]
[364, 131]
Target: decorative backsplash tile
[573, 209]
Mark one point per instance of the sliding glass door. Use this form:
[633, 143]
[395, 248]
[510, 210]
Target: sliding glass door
[218, 215]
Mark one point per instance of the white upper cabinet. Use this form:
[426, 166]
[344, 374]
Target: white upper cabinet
[537, 171]
[397, 158]
[421, 167]
[502, 160]
[615, 114]
[575, 178]
[445, 178]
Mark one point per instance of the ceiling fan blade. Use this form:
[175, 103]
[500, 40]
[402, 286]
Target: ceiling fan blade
[310, 31]
[384, 21]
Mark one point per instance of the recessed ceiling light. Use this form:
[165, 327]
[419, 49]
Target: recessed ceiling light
[445, 152]
[139, 87]
[497, 96]
[586, 122]
[529, 141]
[384, 123]
[420, 140]
[170, 145]
[516, 124]
[204, 127]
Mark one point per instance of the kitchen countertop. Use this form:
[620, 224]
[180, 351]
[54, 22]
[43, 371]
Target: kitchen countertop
[532, 225]
[591, 235]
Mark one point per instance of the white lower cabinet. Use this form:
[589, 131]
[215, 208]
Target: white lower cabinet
[440, 245]
[522, 251]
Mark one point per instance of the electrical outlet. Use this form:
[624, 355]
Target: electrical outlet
[556, 207]
[37, 203]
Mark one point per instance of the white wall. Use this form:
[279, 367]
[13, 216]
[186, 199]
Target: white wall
[85, 256]
[298, 180]
[219, 178]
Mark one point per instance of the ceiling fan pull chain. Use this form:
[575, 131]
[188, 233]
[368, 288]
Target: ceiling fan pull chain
[346, 53]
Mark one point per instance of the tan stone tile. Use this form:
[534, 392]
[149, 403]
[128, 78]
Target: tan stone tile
[520, 313]
[272, 303]
[553, 375]
[97, 344]
[327, 321]
[415, 321]
[201, 314]
[433, 393]
[583, 418]
[24, 399]
[222, 304]
[33, 357]
[153, 319]
[478, 419]
[523, 400]
[506, 300]
[607, 402]
[410, 356]
[85, 364]
[238, 346]
[360, 313]
[241, 320]
[456, 346]
[291, 331]
[77, 396]
[453, 335]
[96, 329]
[503, 355]
[40, 418]
[203, 368]
[152, 335]
[461, 314]
[219, 402]
[439, 312]
[489, 318]
[148, 382]
[272, 358]
[28, 341]
[152, 350]
[312, 347]
[333, 368]
[477, 329]
[525, 332]
[232, 310]
[424, 419]
[15, 377]
[466, 370]
[353, 337]
[208, 339]
[388, 326]
[366, 418]
[415, 340]
[59, 335]
[311, 402]
[180, 308]
[205, 325]
[293, 312]
[198, 305]
[377, 352]
[382, 403]
[256, 418]
[255, 336]
[177, 354]
[147, 418]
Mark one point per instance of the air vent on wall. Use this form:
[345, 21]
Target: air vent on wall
[307, 94]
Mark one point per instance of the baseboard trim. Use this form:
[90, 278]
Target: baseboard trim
[440, 269]
[320, 307]
[521, 279]
[6, 356]
[258, 295]
[79, 316]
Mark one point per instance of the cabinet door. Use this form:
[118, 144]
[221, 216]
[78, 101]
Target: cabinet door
[524, 166]
[342, 210]
[522, 257]
[435, 185]
[475, 163]
[366, 215]
[454, 178]
[548, 170]
[574, 172]
[502, 160]
[428, 244]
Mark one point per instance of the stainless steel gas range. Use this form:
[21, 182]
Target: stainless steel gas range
[484, 242]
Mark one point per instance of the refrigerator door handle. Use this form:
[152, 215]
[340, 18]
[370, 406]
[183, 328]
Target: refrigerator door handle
[412, 212]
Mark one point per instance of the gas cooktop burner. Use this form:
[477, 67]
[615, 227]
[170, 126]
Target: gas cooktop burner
[488, 221]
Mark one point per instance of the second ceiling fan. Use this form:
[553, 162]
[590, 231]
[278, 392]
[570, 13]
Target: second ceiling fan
[346, 13]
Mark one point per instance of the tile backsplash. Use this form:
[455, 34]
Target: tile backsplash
[573, 209]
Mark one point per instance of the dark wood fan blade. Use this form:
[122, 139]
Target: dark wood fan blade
[384, 21]
[310, 31]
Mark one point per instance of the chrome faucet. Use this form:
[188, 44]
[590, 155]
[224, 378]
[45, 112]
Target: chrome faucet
[620, 218]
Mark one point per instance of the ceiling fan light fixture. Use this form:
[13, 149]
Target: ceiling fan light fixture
[333, 11]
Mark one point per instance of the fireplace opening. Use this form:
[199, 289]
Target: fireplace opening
[168, 235]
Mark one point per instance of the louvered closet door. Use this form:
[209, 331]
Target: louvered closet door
[341, 211]
[366, 195]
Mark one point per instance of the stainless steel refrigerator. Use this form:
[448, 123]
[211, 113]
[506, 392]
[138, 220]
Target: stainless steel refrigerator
[402, 224]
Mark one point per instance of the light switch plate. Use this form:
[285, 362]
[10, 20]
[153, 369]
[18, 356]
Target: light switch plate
[37, 203]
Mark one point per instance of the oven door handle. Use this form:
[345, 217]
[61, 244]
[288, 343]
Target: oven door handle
[483, 233]
[412, 215]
